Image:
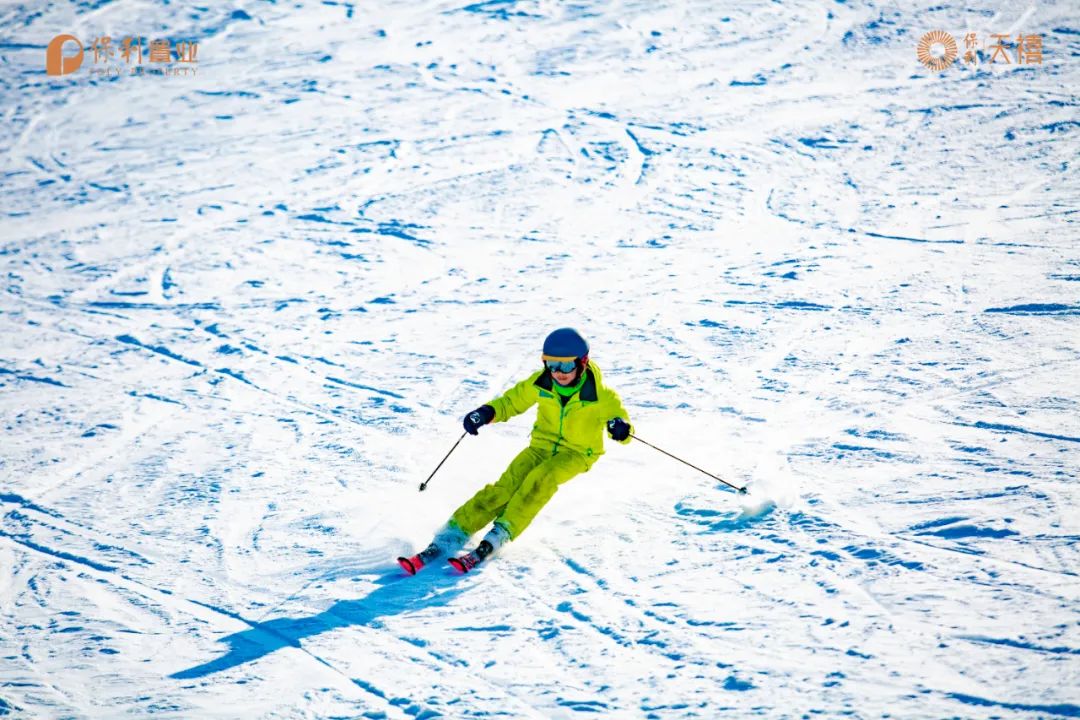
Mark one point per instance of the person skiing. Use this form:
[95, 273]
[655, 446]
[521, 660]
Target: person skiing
[574, 407]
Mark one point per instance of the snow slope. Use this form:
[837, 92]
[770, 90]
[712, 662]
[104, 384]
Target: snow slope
[242, 313]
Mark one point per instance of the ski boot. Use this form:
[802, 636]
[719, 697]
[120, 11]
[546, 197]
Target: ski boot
[420, 559]
[494, 539]
[448, 539]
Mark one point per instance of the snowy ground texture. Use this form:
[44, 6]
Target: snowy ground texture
[242, 314]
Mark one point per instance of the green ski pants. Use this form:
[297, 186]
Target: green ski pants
[526, 486]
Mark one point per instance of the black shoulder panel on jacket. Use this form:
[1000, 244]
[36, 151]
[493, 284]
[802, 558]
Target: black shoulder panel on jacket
[544, 381]
[588, 390]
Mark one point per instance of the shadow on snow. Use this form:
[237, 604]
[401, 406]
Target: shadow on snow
[397, 594]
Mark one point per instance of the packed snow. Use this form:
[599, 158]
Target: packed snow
[244, 308]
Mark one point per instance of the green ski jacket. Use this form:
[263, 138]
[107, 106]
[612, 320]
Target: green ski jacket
[580, 425]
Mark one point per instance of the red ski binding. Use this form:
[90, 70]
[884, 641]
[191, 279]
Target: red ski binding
[410, 565]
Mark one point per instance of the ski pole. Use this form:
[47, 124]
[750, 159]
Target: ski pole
[424, 484]
[741, 490]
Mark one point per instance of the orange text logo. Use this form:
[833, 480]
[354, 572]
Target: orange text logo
[131, 55]
[937, 50]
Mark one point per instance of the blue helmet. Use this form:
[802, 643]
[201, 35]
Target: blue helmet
[566, 344]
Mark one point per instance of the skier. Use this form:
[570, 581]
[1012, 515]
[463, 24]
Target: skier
[574, 406]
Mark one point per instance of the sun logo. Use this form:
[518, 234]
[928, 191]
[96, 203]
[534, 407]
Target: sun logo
[936, 50]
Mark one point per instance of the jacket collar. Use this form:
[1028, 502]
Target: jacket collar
[587, 392]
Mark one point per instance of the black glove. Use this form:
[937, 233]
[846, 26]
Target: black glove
[479, 417]
[618, 429]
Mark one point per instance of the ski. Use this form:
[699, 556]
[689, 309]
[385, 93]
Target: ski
[413, 564]
[465, 563]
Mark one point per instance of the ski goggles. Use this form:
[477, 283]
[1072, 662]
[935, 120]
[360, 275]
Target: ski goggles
[562, 366]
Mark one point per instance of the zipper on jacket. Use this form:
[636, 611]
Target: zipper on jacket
[562, 416]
